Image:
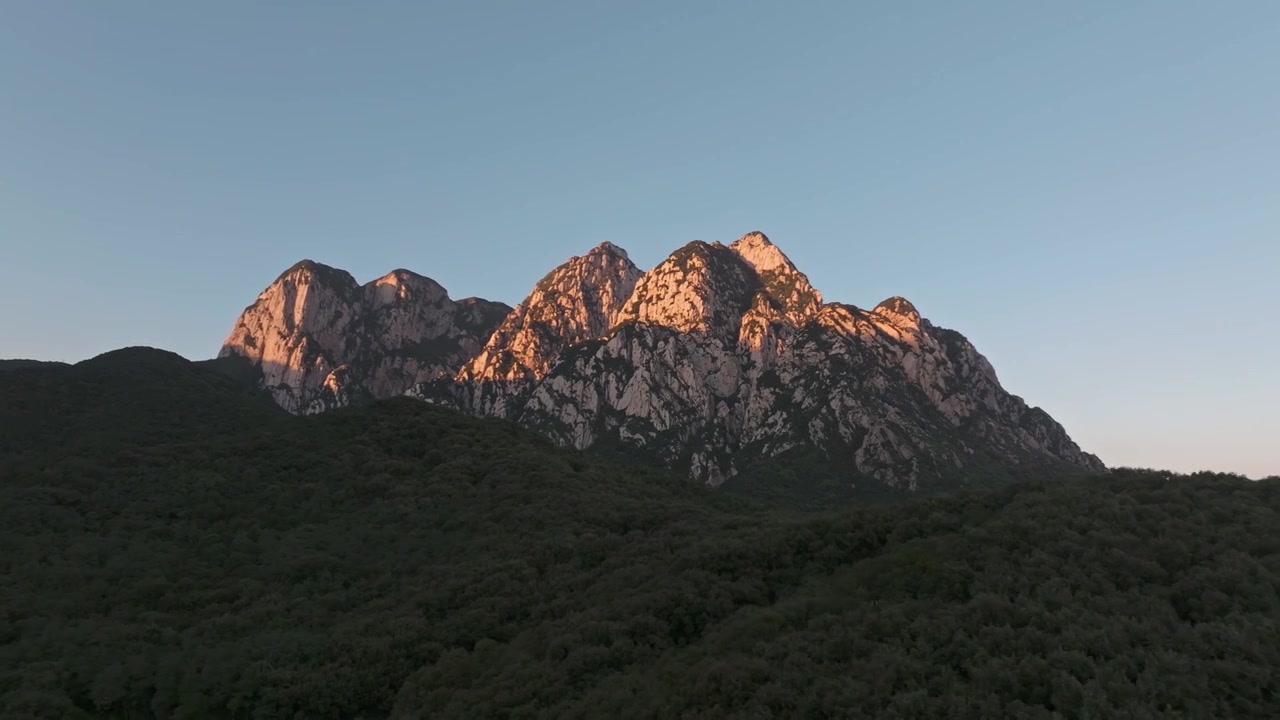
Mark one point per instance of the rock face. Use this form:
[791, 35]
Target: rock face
[320, 340]
[718, 358]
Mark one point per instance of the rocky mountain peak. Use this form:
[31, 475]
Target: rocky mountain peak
[782, 281]
[701, 287]
[609, 249]
[405, 285]
[311, 273]
[757, 251]
[899, 311]
[576, 301]
[320, 340]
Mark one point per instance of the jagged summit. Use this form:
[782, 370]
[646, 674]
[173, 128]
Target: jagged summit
[325, 273]
[310, 272]
[716, 359]
[574, 302]
[784, 284]
[701, 287]
[899, 308]
[320, 340]
[608, 248]
[403, 275]
[308, 265]
[899, 305]
[400, 285]
[756, 250]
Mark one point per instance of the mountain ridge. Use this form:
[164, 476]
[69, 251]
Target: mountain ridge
[717, 357]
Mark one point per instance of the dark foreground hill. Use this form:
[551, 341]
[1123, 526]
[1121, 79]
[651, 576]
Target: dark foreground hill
[122, 399]
[404, 560]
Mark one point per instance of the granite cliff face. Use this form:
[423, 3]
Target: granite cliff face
[719, 357]
[575, 302]
[320, 340]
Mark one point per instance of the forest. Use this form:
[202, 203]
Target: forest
[173, 546]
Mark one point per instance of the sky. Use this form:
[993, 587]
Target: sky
[1089, 191]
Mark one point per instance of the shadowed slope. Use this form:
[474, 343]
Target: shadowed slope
[129, 397]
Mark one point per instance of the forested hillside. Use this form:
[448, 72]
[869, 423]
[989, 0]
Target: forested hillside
[216, 558]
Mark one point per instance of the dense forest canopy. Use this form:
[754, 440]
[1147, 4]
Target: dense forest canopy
[173, 546]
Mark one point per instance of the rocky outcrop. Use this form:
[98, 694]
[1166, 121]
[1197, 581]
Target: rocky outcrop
[321, 340]
[719, 357]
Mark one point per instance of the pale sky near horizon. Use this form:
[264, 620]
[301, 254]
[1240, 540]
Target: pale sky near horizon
[1090, 191]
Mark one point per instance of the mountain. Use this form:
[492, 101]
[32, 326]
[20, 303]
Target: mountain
[17, 364]
[189, 550]
[726, 355]
[716, 361]
[120, 399]
[319, 340]
[576, 302]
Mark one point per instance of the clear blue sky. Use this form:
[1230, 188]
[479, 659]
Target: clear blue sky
[1089, 190]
